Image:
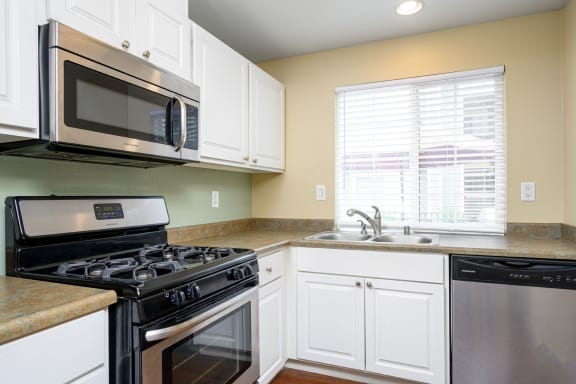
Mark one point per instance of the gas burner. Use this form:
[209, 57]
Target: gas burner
[95, 270]
[144, 273]
[165, 267]
[202, 255]
[89, 269]
[125, 261]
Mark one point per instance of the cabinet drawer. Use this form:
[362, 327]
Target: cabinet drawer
[271, 267]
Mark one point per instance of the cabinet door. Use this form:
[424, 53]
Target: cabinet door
[331, 319]
[222, 75]
[18, 69]
[405, 330]
[164, 37]
[266, 120]
[74, 352]
[272, 332]
[111, 21]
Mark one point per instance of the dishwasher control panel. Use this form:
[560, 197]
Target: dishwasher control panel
[515, 271]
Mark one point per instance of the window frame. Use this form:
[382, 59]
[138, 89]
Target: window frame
[499, 227]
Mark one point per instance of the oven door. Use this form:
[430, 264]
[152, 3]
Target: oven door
[97, 106]
[219, 345]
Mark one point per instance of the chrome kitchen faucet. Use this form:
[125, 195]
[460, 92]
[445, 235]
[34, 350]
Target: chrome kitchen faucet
[375, 222]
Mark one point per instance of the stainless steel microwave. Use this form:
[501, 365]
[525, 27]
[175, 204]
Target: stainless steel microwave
[100, 104]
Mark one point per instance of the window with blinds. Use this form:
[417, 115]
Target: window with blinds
[428, 151]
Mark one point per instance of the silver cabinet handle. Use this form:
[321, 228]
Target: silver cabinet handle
[246, 158]
[369, 285]
[255, 160]
[359, 284]
[269, 269]
[183, 130]
[146, 54]
[125, 44]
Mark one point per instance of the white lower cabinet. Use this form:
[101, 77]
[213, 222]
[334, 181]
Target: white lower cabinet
[331, 320]
[388, 326]
[75, 352]
[272, 316]
[405, 329]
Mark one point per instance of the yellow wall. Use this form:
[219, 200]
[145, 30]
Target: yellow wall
[529, 47]
[569, 101]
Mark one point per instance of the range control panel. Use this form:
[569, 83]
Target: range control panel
[108, 211]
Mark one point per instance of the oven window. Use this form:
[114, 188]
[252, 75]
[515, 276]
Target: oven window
[218, 353]
[97, 102]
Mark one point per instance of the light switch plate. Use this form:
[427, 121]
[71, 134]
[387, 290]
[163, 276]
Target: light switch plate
[215, 199]
[320, 192]
[528, 191]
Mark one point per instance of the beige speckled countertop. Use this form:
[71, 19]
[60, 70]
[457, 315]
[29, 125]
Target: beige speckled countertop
[267, 241]
[28, 306]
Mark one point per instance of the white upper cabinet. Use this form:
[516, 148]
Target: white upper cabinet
[18, 69]
[107, 20]
[266, 120]
[242, 113]
[164, 37]
[154, 30]
[222, 75]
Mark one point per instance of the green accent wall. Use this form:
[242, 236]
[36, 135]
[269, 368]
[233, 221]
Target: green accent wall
[187, 190]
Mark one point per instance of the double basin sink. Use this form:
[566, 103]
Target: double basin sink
[391, 238]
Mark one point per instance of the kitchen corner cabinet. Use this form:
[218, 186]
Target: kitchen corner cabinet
[266, 120]
[75, 352]
[154, 30]
[272, 314]
[18, 66]
[242, 116]
[363, 310]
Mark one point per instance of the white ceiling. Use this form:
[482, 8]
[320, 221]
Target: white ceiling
[270, 29]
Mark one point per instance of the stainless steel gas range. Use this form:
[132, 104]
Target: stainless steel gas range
[184, 314]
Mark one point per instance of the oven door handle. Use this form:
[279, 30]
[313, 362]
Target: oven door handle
[165, 333]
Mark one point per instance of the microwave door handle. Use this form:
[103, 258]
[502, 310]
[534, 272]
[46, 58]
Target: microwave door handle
[183, 130]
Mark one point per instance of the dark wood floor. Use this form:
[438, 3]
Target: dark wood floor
[293, 376]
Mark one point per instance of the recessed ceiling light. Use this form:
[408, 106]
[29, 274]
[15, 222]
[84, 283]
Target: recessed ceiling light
[409, 7]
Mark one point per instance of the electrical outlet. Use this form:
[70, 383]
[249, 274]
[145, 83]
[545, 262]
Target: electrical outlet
[215, 199]
[528, 191]
[320, 192]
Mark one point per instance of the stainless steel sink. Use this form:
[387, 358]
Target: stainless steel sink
[405, 239]
[392, 238]
[339, 236]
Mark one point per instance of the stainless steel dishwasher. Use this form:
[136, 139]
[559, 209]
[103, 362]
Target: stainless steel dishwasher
[513, 321]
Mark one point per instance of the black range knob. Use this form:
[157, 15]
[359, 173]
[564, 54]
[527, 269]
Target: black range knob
[193, 292]
[177, 298]
[233, 274]
[248, 271]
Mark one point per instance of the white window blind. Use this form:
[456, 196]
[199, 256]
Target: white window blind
[428, 151]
